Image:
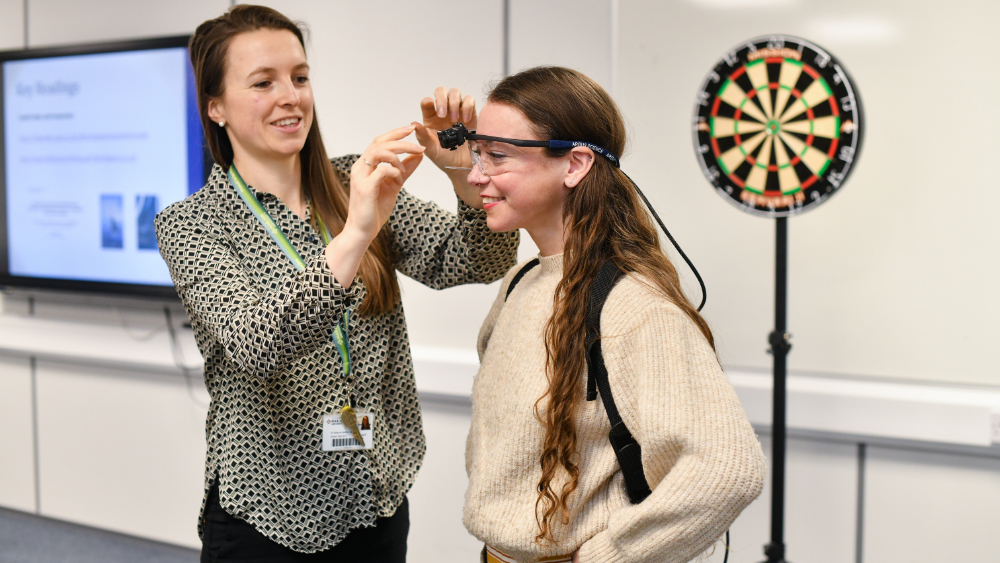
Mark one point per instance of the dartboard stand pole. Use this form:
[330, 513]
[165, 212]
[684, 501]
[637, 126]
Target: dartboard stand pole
[777, 129]
[780, 346]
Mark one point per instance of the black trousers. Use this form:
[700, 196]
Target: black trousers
[228, 538]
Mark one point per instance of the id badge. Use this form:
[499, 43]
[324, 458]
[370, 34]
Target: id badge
[337, 437]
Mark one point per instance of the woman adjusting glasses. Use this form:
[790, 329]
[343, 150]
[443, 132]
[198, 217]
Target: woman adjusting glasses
[286, 263]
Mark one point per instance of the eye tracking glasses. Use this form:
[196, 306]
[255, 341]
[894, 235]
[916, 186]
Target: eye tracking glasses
[458, 135]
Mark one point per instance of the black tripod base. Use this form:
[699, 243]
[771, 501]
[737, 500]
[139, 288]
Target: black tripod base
[775, 553]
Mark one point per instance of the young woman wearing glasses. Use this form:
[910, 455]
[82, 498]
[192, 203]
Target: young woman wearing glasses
[289, 279]
[544, 481]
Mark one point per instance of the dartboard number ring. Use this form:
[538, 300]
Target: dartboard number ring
[777, 126]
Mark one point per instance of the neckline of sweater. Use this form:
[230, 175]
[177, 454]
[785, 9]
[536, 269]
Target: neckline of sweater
[551, 265]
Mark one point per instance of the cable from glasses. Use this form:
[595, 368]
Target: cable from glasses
[701, 282]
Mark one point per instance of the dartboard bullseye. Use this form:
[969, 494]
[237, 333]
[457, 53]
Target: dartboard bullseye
[777, 126]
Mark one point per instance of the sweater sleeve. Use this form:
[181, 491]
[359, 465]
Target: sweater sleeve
[699, 452]
[259, 332]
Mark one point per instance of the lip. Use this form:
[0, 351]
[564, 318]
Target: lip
[489, 205]
[288, 128]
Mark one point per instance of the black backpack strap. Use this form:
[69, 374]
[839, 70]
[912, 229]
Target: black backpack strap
[520, 274]
[627, 450]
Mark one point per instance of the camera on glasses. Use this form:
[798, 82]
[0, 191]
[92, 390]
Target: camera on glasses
[453, 137]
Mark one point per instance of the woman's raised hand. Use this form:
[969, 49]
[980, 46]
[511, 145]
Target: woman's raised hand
[376, 179]
[444, 110]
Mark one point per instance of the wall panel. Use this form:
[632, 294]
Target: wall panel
[55, 22]
[924, 507]
[887, 278]
[574, 34]
[122, 451]
[11, 24]
[17, 449]
[437, 497]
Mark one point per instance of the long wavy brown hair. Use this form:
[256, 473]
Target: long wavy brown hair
[606, 220]
[322, 187]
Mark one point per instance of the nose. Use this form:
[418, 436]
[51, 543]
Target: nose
[289, 94]
[477, 178]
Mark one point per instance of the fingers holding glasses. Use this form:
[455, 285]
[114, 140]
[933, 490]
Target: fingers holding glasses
[385, 149]
[378, 175]
[441, 111]
[448, 107]
[388, 153]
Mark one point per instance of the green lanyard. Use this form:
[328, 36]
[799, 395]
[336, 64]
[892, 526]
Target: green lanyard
[340, 331]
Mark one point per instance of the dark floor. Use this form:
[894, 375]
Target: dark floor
[26, 538]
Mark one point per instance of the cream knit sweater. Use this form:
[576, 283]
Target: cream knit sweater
[700, 455]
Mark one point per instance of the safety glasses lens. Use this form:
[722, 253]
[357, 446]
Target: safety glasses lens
[474, 153]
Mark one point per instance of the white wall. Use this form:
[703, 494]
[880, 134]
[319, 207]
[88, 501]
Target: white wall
[17, 449]
[121, 450]
[12, 24]
[930, 507]
[863, 296]
[893, 277]
[56, 22]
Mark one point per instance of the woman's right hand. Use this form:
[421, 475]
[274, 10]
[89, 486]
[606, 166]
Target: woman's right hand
[376, 179]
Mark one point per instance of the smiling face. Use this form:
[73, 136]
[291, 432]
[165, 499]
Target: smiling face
[267, 103]
[528, 188]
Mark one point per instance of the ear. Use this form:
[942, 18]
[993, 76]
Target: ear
[581, 159]
[215, 111]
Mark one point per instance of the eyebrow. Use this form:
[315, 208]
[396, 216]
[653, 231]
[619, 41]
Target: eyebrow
[267, 69]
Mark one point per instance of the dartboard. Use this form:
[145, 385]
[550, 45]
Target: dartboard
[777, 126]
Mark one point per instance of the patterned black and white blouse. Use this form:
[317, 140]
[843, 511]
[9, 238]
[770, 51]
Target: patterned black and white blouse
[264, 330]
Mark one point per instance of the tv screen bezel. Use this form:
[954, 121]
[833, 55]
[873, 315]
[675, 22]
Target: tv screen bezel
[26, 283]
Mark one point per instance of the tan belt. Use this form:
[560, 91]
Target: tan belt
[494, 555]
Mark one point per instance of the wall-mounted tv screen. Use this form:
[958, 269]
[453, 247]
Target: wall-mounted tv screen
[97, 139]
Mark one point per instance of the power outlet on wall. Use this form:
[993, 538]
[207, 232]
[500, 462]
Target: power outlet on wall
[995, 427]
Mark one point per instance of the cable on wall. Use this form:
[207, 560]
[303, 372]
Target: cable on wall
[137, 336]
